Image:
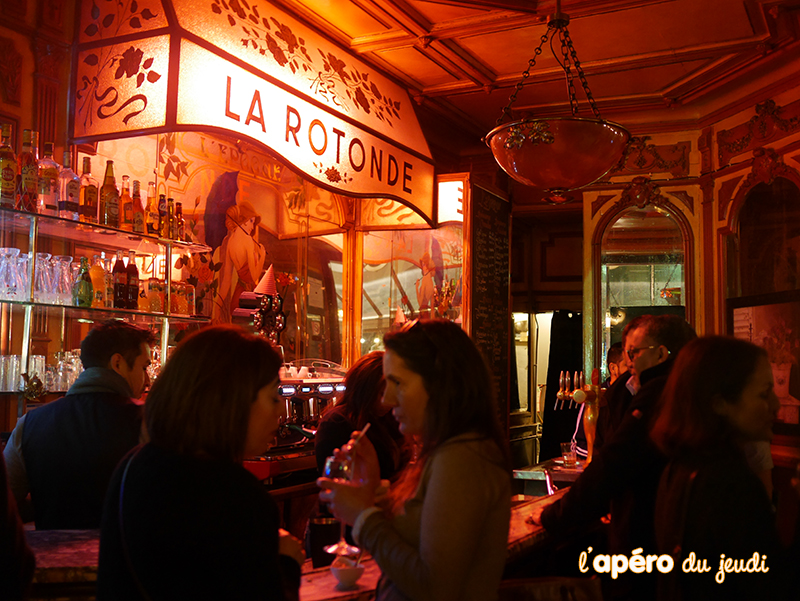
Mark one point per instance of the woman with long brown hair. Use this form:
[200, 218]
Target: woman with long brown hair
[361, 405]
[711, 507]
[443, 531]
[183, 519]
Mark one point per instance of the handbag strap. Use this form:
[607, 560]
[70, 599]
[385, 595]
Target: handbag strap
[123, 540]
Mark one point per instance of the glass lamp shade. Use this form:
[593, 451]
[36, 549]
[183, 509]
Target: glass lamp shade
[558, 154]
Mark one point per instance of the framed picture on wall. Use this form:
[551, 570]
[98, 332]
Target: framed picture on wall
[772, 321]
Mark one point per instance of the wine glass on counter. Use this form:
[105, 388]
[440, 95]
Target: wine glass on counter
[340, 468]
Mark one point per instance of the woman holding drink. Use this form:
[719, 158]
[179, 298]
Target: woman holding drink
[441, 532]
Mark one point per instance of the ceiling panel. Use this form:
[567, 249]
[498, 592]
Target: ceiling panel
[643, 58]
[412, 60]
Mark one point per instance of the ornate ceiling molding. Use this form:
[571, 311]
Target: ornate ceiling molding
[771, 122]
[641, 157]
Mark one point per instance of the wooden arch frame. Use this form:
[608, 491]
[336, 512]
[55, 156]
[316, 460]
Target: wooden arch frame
[767, 166]
[641, 192]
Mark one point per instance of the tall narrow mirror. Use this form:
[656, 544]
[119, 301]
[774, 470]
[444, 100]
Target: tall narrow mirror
[642, 269]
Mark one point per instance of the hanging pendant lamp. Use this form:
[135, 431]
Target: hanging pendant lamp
[558, 154]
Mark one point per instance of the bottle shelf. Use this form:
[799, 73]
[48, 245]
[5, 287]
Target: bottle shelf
[97, 313]
[93, 234]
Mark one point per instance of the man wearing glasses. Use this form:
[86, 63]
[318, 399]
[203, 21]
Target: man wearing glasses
[623, 475]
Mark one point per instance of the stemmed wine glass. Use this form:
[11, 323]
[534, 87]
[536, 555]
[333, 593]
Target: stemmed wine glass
[340, 468]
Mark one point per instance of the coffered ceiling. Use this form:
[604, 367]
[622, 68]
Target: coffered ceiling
[652, 65]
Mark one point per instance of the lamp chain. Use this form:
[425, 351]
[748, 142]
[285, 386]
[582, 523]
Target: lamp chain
[566, 43]
[525, 75]
[573, 98]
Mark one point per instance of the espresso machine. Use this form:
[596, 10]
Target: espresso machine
[308, 387]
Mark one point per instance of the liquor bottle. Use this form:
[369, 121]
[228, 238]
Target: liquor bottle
[109, 198]
[162, 213]
[120, 283]
[152, 210]
[108, 276]
[168, 224]
[88, 201]
[82, 290]
[48, 182]
[126, 205]
[138, 209]
[8, 170]
[133, 281]
[69, 191]
[28, 170]
[98, 276]
[180, 223]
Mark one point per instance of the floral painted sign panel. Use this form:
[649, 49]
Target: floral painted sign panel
[275, 43]
[250, 69]
[122, 87]
[327, 148]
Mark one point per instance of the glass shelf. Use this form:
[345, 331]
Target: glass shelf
[95, 314]
[92, 233]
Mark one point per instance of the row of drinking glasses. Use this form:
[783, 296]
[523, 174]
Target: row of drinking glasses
[54, 277]
[61, 376]
[14, 284]
[56, 378]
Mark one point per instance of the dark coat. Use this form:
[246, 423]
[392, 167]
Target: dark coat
[194, 529]
[712, 505]
[71, 446]
[623, 479]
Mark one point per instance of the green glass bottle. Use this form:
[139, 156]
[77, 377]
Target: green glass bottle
[83, 291]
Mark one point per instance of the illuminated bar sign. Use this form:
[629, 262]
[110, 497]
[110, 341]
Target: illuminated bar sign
[157, 66]
[326, 147]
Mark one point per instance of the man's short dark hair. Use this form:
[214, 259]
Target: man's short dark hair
[614, 354]
[114, 336]
[672, 331]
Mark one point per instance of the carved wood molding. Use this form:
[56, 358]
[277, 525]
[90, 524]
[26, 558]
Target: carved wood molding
[49, 58]
[552, 242]
[685, 198]
[51, 14]
[601, 200]
[767, 166]
[771, 122]
[17, 9]
[704, 143]
[640, 192]
[10, 72]
[641, 157]
[726, 195]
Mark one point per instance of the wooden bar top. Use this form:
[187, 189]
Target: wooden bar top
[68, 558]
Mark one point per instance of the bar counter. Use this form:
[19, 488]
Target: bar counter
[66, 560]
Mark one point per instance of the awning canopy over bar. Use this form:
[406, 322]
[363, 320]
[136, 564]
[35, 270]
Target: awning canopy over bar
[249, 69]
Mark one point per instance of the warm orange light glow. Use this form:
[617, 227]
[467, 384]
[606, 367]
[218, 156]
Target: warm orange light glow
[213, 92]
[451, 201]
[122, 87]
[260, 74]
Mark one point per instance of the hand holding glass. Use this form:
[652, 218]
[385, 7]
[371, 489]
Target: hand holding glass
[339, 468]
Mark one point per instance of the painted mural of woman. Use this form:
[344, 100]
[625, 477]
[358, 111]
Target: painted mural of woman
[242, 257]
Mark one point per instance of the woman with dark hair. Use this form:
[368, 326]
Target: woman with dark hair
[711, 507]
[443, 532]
[183, 519]
[361, 405]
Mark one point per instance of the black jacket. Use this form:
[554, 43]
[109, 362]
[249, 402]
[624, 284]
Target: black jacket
[623, 479]
[714, 504]
[194, 528]
[71, 446]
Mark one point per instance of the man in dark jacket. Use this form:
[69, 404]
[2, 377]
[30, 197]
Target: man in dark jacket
[623, 476]
[64, 452]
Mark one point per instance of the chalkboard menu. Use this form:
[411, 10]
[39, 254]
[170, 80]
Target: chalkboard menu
[490, 316]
